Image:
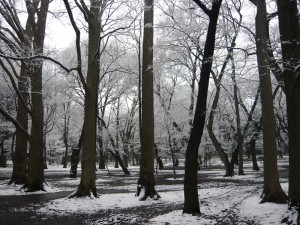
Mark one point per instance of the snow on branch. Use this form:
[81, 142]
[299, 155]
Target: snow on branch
[38, 57]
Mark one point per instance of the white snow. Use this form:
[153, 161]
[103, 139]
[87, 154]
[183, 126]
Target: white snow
[220, 200]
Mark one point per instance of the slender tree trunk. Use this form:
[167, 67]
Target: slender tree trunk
[290, 38]
[253, 154]
[101, 153]
[126, 153]
[100, 140]
[75, 157]
[272, 191]
[192, 103]
[238, 120]
[45, 151]
[191, 201]
[66, 137]
[220, 150]
[146, 180]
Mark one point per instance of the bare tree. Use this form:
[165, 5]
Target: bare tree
[25, 39]
[37, 16]
[146, 180]
[290, 37]
[90, 84]
[191, 201]
[272, 191]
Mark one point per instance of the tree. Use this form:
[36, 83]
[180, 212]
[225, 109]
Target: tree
[35, 178]
[238, 118]
[146, 180]
[272, 191]
[37, 16]
[224, 157]
[289, 29]
[92, 16]
[25, 36]
[191, 201]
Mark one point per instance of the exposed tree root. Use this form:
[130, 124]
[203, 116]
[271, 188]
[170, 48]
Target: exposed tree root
[278, 197]
[82, 192]
[145, 191]
[38, 186]
[17, 181]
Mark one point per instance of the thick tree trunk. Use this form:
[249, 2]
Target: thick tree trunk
[146, 180]
[290, 38]
[35, 177]
[272, 191]
[20, 154]
[88, 176]
[191, 201]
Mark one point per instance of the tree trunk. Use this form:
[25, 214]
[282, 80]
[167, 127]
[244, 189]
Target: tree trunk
[35, 177]
[238, 120]
[272, 191]
[20, 156]
[290, 38]
[253, 154]
[191, 201]
[74, 162]
[19, 172]
[88, 176]
[119, 160]
[220, 150]
[75, 157]
[66, 137]
[126, 153]
[146, 180]
[45, 151]
[101, 154]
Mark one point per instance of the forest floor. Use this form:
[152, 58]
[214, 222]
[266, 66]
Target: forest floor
[223, 200]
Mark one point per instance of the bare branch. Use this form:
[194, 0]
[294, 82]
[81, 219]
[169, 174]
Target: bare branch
[15, 87]
[78, 48]
[38, 57]
[14, 121]
[83, 8]
[203, 7]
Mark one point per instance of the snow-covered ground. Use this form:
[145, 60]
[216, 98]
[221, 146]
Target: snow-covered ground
[222, 200]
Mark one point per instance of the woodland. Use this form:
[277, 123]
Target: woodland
[85, 84]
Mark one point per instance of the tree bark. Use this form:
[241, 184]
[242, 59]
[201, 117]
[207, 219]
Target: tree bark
[272, 191]
[191, 201]
[146, 180]
[88, 176]
[289, 29]
[253, 154]
[19, 172]
[35, 177]
[238, 119]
